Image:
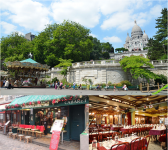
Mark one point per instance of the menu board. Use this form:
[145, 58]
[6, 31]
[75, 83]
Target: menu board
[56, 129]
[57, 125]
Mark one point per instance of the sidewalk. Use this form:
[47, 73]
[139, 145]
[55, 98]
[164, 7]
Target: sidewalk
[43, 143]
[52, 91]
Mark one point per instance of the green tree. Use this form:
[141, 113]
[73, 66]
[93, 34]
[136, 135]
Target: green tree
[122, 49]
[72, 41]
[15, 47]
[161, 22]
[64, 64]
[107, 47]
[96, 51]
[161, 79]
[136, 65]
[44, 49]
[155, 50]
[158, 45]
[106, 55]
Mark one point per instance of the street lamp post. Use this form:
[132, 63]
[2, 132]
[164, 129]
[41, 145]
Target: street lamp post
[164, 48]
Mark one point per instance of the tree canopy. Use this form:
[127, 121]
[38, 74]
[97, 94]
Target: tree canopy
[136, 65]
[157, 46]
[68, 40]
[15, 47]
[64, 63]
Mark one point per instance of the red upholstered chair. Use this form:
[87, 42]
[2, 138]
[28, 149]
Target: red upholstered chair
[135, 144]
[145, 142]
[124, 146]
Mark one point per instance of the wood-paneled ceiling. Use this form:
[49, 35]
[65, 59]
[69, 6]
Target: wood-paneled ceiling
[118, 103]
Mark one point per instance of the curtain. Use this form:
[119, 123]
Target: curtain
[129, 118]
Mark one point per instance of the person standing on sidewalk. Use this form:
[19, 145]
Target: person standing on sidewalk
[56, 84]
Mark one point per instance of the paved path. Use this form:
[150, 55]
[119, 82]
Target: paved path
[7, 143]
[52, 91]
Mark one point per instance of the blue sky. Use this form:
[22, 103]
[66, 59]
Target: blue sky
[108, 20]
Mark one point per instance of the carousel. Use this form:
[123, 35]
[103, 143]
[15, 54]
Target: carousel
[26, 73]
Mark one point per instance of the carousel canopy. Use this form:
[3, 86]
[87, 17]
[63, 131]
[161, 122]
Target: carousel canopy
[29, 60]
[27, 63]
[35, 98]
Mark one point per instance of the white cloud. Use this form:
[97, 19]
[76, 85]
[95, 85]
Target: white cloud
[84, 12]
[27, 13]
[4, 14]
[7, 28]
[113, 39]
[93, 35]
[156, 11]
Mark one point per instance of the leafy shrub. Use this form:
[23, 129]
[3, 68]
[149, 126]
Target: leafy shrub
[126, 82]
[161, 79]
[64, 81]
[49, 82]
[90, 81]
[109, 83]
[47, 76]
[55, 79]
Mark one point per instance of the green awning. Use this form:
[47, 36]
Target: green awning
[35, 98]
[29, 60]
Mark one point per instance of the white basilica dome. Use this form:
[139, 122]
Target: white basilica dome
[145, 36]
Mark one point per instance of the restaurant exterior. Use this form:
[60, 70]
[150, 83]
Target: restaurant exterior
[32, 109]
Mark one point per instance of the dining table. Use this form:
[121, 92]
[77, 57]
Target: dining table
[106, 145]
[156, 133]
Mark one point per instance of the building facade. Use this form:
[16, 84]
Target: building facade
[29, 36]
[138, 39]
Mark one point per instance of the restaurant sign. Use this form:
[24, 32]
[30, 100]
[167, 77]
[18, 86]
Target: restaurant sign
[78, 101]
[36, 105]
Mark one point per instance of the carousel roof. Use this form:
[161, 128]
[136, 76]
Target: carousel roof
[29, 60]
[28, 63]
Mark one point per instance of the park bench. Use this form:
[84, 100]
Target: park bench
[109, 88]
[94, 88]
[132, 88]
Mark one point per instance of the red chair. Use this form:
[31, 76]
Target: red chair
[124, 146]
[33, 127]
[145, 142]
[135, 144]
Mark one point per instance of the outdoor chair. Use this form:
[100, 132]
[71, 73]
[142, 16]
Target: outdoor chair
[124, 145]
[14, 135]
[20, 137]
[10, 134]
[40, 132]
[27, 139]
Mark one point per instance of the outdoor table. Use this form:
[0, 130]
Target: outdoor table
[20, 130]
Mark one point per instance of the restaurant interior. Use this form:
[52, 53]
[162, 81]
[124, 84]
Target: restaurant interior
[129, 121]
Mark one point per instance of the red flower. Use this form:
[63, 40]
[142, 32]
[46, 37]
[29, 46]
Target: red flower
[53, 101]
[38, 102]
